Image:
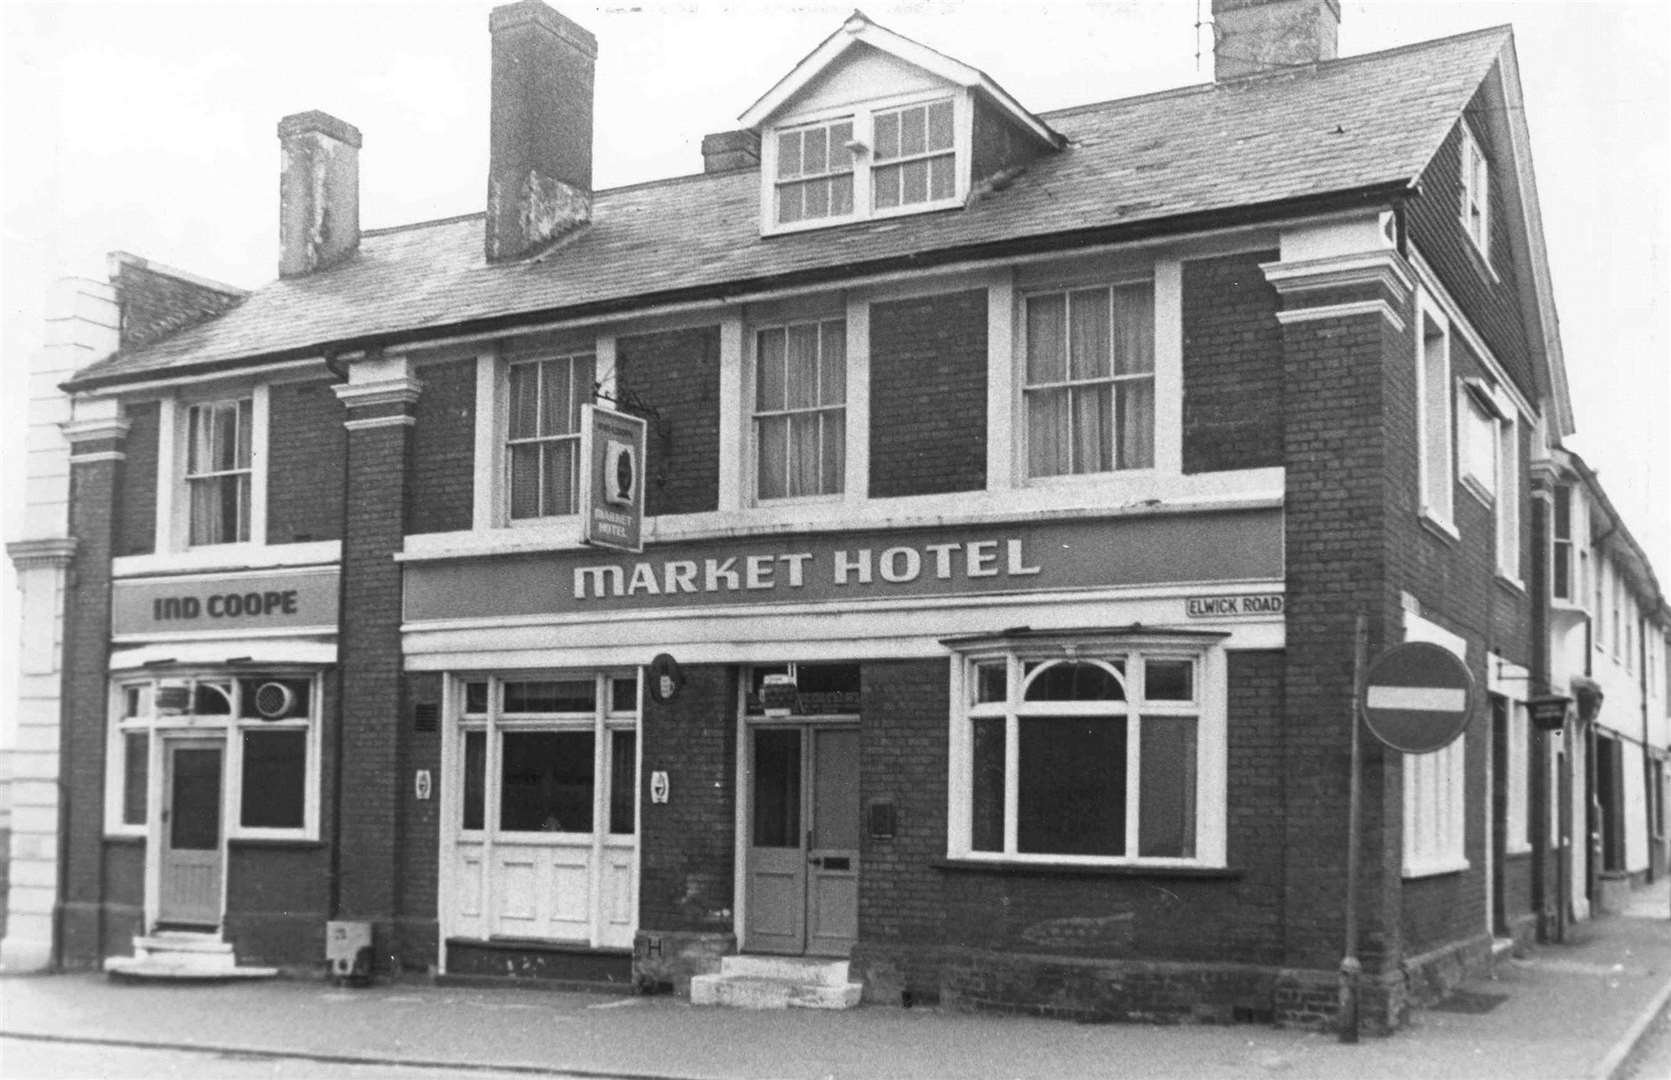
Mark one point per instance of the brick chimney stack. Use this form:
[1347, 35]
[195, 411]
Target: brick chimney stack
[1255, 37]
[319, 192]
[539, 182]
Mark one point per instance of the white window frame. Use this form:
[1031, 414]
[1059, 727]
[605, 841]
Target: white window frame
[1435, 784]
[1517, 824]
[862, 115]
[1434, 426]
[503, 428]
[1508, 497]
[230, 728]
[173, 507]
[1208, 708]
[850, 432]
[1562, 545]
[1477, 447]
[1475, 209]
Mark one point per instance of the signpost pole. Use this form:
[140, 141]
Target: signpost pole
[1351, 969]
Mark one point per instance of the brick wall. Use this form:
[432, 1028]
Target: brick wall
[676, 372]
[136, 510]
[85, 703]
[277, 901]
[154, 304]
[444, 449]
[369, 652]
[1232, 365]
[1490, 298]
[420, 838]
[928, 395]
[306, 444]
[687, 846]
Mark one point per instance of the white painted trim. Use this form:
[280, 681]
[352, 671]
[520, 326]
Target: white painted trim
[260, 418]
[101, 455]
[395, 390]
[1169, 367]
[174, 379]
[402, 420]
[1342, 311]
[229, 559]
[94, 428]
[485, 512]
[217, 653]
[1003, 395]
[733, 430]
[856, 481]
[1384, 268]
[319, 630]
[170, 475]
[1431, 287]
[1445, 515]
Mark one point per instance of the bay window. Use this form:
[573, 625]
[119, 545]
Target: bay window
[1109, 753]
[1089, 382]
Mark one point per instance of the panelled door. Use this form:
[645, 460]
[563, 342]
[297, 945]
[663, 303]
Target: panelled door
[803, 854]
[191, 857]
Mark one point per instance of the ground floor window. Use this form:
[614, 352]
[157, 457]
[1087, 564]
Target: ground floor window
[267, 724]
[1106, 751]
[544, 809]
[1435, 805]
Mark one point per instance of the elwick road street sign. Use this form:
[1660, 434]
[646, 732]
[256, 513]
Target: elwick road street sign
[1418, 697]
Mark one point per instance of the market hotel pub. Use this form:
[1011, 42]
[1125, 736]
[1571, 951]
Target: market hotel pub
[925, 545]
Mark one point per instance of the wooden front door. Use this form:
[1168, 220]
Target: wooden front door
[191, 856]
[803, 855]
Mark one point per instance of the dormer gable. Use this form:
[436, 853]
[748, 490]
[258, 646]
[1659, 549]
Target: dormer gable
[872, 124]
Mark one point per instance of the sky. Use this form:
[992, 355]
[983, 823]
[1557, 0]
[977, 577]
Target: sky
[150, 127]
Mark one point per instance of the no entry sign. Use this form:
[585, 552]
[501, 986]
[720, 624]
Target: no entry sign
[1417, 697]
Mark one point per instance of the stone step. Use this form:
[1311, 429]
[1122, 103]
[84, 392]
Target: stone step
[813, 971]
[181, 941]
[748, 992]
[179, 967]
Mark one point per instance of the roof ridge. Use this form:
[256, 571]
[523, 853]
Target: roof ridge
[386, 229]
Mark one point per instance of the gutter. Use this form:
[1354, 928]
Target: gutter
[1386, 192]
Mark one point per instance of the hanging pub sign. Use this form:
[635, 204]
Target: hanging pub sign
[611, 479]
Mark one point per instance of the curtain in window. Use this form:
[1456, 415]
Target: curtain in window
[218, 453]
[1049, 451]
[544, 433]
[800, 426]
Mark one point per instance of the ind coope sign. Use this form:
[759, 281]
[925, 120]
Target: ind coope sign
[276, 599]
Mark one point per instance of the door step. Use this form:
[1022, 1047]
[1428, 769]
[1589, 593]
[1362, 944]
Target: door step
[181, 955]
[777, 982]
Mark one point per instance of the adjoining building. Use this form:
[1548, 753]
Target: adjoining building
[1011, 484]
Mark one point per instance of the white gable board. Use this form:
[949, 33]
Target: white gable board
[862, 74]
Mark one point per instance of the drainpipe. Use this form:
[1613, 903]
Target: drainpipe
[1541, 795]
[335, 365]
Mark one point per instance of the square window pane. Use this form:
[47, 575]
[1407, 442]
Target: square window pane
[789, 154]
[525, 480]
[991, 682]
[550, 696]
[841, 195]
[833, 451]
[841, 158]
[817, 196]
[804, 471]
[769, 361]
[1047, 356]
[940, 126]
[475, 778]
[1088, 338]
[887, 136]
[815, 145]
[913, 133]
[623, 782]
[546, 781]
[942, 182]
[832, 363]
[275, 779]
[555, 377]
[136, 772]
[1049, 442]
[1093, 428]
[561, 476]
[1134, 329]
[1169, 680]
[913, 184]
[1136, 424]
[1072, 798]
[525, 400]
[623, 695]
[475, 698]
[1166, 792]
[789, 203]
[986, 810]
[886, 183]
[773, 472]
[801, 367]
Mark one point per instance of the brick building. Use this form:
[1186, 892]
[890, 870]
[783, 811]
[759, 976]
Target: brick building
[1013, 484]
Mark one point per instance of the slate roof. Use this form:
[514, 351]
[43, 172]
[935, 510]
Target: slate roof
[1155, 161]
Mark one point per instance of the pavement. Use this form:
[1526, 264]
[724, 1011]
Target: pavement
[1571, 1010]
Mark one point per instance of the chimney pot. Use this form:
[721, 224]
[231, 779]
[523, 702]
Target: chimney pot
[1254, 37]
[539, 182]
[319, 192]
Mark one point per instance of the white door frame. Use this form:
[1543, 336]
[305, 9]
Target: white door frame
[163, 740]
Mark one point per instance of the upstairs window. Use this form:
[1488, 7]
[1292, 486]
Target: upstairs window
[815, 172]
[1090, 380]
[1434, 415]
[218, 460]
[1476, 194]
[543, 441]
[1561, 576]
[915, 162]
[800, 409]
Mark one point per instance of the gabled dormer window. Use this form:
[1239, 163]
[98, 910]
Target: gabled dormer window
[915, 160]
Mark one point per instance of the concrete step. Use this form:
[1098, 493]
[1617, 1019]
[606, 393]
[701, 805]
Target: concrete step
[810, 970]
[747, 992]
[174, 969]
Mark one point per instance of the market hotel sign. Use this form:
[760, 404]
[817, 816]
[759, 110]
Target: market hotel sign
[1219, 547]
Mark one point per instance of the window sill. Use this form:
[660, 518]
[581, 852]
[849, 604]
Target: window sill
[1063, 869]
[125, 837]
[1518, 851]
[1478, 490]
[1513, 584]
[1436, 869]
[1439, 527]
[1482, 261]
[297, 842]
[228, 557]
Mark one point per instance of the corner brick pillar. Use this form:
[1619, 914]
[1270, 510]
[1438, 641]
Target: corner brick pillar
[95, 437]
[1346, 341]
[379, 398]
